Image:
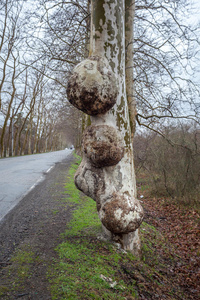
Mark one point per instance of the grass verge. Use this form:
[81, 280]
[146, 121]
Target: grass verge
[89, 268]
[86, 267]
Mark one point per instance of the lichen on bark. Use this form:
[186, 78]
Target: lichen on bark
[98, 87]
[103, 145]
[92, 87]
[121, 213]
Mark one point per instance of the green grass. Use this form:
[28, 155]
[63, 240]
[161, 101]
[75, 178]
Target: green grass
[86, 267]
[79, 272]
[89, 268]
[21, 267]
[83, 259]
[71, 190]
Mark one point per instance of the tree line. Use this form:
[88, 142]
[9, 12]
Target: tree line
[31, 94]
[42, 40]
[170, 164]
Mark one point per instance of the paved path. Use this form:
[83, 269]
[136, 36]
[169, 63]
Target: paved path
[18, 175]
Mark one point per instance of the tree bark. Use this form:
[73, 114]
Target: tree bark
[129, 21]
[98, 87]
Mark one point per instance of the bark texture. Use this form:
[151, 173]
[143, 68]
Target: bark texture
[103, 145]
[98, 87]
[92, 88]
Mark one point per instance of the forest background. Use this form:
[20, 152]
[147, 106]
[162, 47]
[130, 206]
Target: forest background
[41, 42]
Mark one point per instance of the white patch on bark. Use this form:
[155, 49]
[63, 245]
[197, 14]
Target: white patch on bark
[118, 213]
[113, 187]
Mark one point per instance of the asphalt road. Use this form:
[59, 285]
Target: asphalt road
[19, 175]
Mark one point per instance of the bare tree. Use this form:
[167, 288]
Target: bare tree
[52, 37]
[9, 61]
[98, 86]
[23, 108]
[165, 49]
[165, 60]
[173, 169]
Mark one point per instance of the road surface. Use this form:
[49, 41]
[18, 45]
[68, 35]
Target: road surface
[19, 175]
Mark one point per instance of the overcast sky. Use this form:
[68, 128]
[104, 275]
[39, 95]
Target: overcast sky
[194, 18]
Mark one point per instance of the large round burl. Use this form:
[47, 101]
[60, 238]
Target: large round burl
[121, 213]
[103, 145]
[92, 88]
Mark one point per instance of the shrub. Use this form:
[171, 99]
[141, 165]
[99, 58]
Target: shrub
[172, 161]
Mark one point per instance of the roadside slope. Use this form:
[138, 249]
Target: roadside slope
[37, 220]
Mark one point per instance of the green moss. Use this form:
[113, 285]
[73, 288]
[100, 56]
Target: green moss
[22, 257]
[3, 290]
[22, 262]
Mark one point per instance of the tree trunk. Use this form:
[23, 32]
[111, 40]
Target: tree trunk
[8, 112]
[129, 21]
[30, 134]
[98, 87]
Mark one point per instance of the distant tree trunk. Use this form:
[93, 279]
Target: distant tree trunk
[130, 91]
[98, 87]
[30, 134]
[8, 139]
[2, 142]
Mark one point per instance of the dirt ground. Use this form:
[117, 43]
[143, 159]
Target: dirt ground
[34, 222]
